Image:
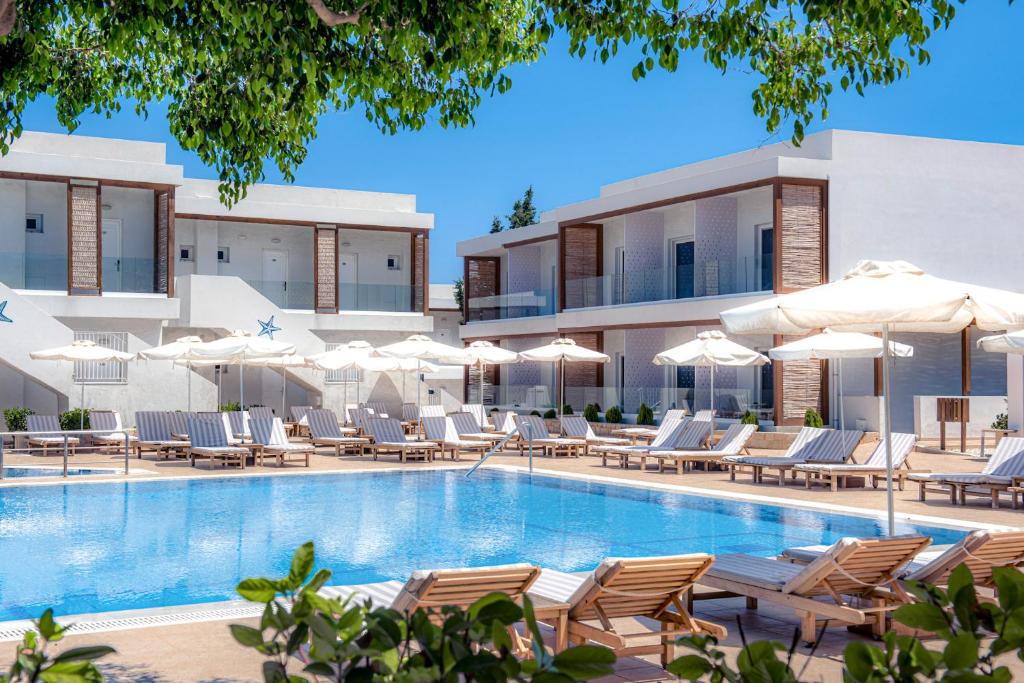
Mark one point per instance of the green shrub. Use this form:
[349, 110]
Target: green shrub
[231, 407]
[614, 415]
[74, 419]
[566, 409]
[592, 413]
[1002, 421]
[535, 412]
[304, 634]
[71, 665]
[550, 414]
[644, 415]
[16, 418]
[749, 419]
[813, 419]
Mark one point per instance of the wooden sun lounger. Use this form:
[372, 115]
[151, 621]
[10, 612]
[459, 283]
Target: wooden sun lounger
[1001, 472]
[154, 435]
[733, 442]
[577, 427]
[835, 475]
[209, 440]
[667, 432]
[654, 588]
[467, 428]
[49, 423]
[390, 439]
[551, 445]
[865, 569]
[270, 434]
[648, 434]
[324, 431]
[812, 445]
[442, 430]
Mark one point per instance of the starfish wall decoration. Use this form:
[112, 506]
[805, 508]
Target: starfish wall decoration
[268, 328]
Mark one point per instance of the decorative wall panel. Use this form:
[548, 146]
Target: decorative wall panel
[801, 388]
[640, 348]
[325, 265]
[802, 257]
[84, 258]
[524, 268]
[644, 257]
[482, 280]
[162, 241]
[419, 271]
[714, 249]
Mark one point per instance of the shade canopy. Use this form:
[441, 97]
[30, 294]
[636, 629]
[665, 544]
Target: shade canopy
[81, 350]
[180, 348]
[876, 293]
[1011, 342]
[342, 357]
[423, 347]
[831, 345]
[709, 349]
[564, 349]
[293, 360]
[242, 346]
[486, 353]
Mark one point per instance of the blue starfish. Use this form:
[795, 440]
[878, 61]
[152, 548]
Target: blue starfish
[3, 316]
[266, 327]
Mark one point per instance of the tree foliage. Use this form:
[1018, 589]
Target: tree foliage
[524, 213]
[246, 82]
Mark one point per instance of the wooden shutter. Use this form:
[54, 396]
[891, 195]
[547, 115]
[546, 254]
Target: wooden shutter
[85, 264]
[482, 279]
[584, 374]
[579, 258]
[802, 252]
[163, 243]
[325, 268]
[802, 388]
[418, 250]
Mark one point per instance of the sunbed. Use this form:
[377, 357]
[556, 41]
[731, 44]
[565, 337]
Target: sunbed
[49, 423]
[692, 435]
[409, 412]
[733, 442]
[504, 422]
[153, 427]
[533, 428]
[812, 444]
[666, 430]
[4, 440]
[432, 411]
[177, 422]
[378, 408]
[389, 438]
[479, 414]
[864, 569]
[109, 419]
[209, 440]
[271, 435]
[324, 431]
[442, 431]
[261, 413]
[238, 423]
[635, 434]
[577, 427]
[298, 413]
[981, 550]
[835, 474]
[999, 473]
[467, 428]
[647, 588]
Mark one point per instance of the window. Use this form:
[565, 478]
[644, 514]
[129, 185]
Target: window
[683, 268]
[766, 257]
[394, 262]
[185, 252]
[353, 375]
[103, 372]
[686, 383]
[223, 254]
[34, 222]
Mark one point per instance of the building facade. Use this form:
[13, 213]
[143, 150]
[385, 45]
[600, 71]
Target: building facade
[653, 260]
[102, 239]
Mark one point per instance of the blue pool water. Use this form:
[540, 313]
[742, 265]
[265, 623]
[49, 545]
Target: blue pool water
[127, 545]
[22, 472]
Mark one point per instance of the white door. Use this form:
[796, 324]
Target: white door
[112, 255]
[275, 276]
[348, 279]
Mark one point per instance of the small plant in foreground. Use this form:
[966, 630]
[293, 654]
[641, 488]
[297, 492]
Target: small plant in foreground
[812, 418]
[17, 418]
[33, 662]
[74, 419]
[614, 415]
[644, 415]
[550, 414]
[1002, 421]
[749, 419]
[592, 413]
[230, 407]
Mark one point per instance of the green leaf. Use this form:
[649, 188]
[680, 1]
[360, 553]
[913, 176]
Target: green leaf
[246, 635]
[921, 616]
[302, 564]
[961, 651]
[257, 590]
[86, 653]
[689, 667]
[584, 662]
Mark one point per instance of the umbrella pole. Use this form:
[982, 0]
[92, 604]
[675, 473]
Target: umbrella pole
[188, 390]
[241, 386]
[713, 369]
[81, 410]
[887, 403]
[419, 394]
[284, 391]
[481, 378]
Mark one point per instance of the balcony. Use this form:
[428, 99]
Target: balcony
[529, 304]
[710, 278]
[49, 272]
[380, 298]
[293, 295]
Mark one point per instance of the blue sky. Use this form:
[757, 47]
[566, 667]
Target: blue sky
[568, 126]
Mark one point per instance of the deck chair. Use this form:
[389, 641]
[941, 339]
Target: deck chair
[261, 413]
[577, 427]
[238, 421]
[479, 414]
[271, 435]
[533, 427]
[864, 569]
[432, 589]
[692, 435]
[209, 440]
[654, 588]
[637, 434]
[109, 420]
[324, 431]
[431, 411]
[1000, 472]
[52, 439]
[733, 442]
[467, 428]
[703, 415]
[154, 430]
[4, 440]
[409, 412]
[225, 421]
[378, 408]
[668, 432]
[504, 422]
[981, 550]
[835, 474]
[177, 423]
[390, 439]
[812, 444]
[442, 431]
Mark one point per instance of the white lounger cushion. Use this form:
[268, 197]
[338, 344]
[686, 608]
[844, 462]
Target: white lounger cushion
[558, 586]
[756, 571]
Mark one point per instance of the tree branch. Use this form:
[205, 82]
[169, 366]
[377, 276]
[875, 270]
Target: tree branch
[326, 14]
[8, 16]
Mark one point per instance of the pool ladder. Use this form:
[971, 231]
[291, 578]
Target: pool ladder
[501, 444]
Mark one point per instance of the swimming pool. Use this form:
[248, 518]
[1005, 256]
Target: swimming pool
[23, 472]
[99, 547]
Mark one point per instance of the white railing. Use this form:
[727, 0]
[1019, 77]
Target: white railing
[66, 435]
[102, 372]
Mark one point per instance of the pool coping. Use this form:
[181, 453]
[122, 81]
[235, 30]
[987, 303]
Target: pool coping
[99, 622]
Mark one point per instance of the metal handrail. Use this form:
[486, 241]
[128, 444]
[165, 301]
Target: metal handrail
[65, 434]
[500, 445]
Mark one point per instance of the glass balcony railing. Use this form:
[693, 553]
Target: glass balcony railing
[128, 275]
[708, 278]
[286, 294]
[21, 270]
[516, 305]
[382, 298]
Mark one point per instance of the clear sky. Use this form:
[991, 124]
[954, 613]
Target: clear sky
[568, 126]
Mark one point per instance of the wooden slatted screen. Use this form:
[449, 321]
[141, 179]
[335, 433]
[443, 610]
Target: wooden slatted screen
[580, 258]
[584, 374]
[85, 272]
[162, 242]
[419, 269]
[325, 268]
[802, 253]
[801, 388]
[482, 280]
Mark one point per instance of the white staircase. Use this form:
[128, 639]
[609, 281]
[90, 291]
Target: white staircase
[33, 329]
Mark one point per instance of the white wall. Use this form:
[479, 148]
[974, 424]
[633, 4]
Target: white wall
[12, 232]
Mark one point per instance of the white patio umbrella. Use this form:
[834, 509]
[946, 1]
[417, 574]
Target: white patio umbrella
[178, 350]
[563, 350]
[81, 350]
[421, 347]
[885, 296]
[709, 350]
[1010, 342]
[830, 345]
[484, 353]
[237, 348]
[284, 363]
[343, 358]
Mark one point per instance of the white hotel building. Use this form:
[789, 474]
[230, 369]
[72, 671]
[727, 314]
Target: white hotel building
[652, 260]
[103, 239]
